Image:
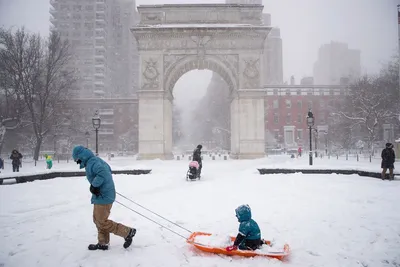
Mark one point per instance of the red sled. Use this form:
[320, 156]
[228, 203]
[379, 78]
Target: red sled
[280, 254]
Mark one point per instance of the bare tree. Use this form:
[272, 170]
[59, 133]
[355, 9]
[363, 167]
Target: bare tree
[9, 109]
[371, 102]
[36, 69]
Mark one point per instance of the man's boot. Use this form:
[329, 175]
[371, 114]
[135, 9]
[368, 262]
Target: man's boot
[128, 238]
[98, 246]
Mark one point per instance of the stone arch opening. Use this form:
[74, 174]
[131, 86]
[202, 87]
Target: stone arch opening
[201, 112]
[194, 62]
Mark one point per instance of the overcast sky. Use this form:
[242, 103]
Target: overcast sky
[368, 25]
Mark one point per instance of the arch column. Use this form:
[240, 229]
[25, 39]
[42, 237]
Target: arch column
[247, 125]
[155, 125]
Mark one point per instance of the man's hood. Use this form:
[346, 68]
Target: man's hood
[83, 154]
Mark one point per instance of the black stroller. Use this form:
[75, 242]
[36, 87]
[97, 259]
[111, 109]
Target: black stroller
[193, 172]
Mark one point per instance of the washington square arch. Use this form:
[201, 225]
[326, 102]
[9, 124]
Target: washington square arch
[225, 38]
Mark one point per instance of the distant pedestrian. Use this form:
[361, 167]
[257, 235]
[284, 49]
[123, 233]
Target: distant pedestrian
[388, 158]
[49, 161]
[16, 160]
[1, 164]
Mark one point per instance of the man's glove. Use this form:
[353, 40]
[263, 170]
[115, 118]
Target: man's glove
[95, 190]
[231, 248]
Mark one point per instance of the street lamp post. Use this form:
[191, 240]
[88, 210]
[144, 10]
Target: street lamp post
[310, 124]
[87, 134]
[96, 125]
[316, 142]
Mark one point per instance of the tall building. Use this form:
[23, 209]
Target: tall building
[337, 63]
[106, 58]
[123, 58]
[84, 25]
[273, 62]
[102, 44]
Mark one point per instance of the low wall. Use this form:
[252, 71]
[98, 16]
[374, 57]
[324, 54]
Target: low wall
[324, 171]
[59, 174]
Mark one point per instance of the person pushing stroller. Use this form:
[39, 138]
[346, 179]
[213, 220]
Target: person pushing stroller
[197, 157]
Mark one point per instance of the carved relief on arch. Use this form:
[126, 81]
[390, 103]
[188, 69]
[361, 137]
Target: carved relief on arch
[150, 73]
[250, 68]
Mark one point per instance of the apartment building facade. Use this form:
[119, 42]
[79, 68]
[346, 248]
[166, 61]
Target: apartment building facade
[105, 57]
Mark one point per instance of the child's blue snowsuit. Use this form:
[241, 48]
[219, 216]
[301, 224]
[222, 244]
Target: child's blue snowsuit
[249, 236]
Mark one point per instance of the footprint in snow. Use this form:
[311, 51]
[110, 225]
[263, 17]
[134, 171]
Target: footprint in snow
[312, 253]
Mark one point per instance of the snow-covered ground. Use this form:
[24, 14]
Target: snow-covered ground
[277, 161]
[328, 220]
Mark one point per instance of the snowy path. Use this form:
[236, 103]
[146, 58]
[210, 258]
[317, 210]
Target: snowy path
[328, 220]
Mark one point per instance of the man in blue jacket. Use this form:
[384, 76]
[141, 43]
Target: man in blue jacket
[99, 175]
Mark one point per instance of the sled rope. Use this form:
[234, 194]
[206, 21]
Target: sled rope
[155, 213]
[150, 219]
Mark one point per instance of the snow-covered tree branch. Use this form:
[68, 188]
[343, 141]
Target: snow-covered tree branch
[36, 69]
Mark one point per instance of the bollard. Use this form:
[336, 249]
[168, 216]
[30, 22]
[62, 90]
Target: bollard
[357, 157]
[347, 156]
[178, 158]
[67, 159]
[213, 157]
[225, 157]
[190, 157]
[337, 156]
[370, 158]
[35, 162]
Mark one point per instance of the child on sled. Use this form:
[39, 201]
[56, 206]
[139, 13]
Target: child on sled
[249, 236]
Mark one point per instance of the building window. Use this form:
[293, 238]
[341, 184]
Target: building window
[299, 118]
[76, 26]
[299, 105]
[323, 120]
[276, 103]
[300, 134]
[288, 103]
[288, 118]
[276, 118]
[100, 16]
[89, 8]
[64, 8]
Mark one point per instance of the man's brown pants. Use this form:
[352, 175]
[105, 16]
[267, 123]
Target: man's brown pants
[106, 226]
